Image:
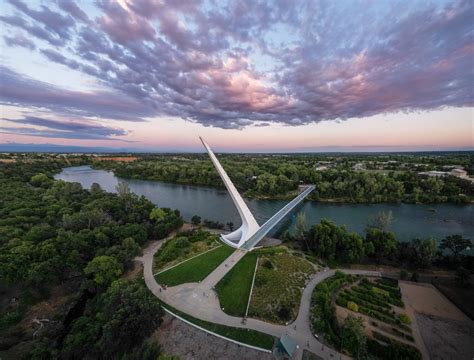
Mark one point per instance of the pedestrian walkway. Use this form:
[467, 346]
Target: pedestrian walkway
[200, 301]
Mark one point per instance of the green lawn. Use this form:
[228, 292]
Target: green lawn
[250, 337]
[234, 288]
[195, 269]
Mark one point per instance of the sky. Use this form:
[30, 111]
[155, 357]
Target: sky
[278, 76]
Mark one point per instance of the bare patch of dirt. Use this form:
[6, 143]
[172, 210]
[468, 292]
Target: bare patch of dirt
[426, 299]
[180, 339]
[446, 338]
[117, 158]
[134, 272]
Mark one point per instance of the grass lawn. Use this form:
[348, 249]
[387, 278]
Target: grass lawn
[250, 337]
[195, 269]
[183, 246]
[278, 287]
[234, 288]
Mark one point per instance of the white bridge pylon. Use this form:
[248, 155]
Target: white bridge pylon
[249, 233]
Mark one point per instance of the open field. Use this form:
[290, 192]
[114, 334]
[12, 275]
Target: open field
[182, 247]
[195, 269]
[116, 158]
[445, 330]
[461, 297]
[278, 286]
[426, 299]
[446, 338]
[180, 339]
[234, 288]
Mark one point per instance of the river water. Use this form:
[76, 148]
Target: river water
[437, 220]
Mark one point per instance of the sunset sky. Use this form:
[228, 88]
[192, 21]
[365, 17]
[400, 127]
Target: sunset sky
[246, 75]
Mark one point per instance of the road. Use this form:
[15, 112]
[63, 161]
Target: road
[200, 301]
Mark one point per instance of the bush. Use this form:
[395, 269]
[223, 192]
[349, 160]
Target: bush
[9, 319]
[415, 277]
[352, 306]
[404, 275]
[267, 264]
[182, 242]
[405, 319]
[380, 292]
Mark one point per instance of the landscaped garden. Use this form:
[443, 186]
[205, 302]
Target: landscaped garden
[380, 303]
[184, 246]
[196, 268]
[279, 283]
[234, 288]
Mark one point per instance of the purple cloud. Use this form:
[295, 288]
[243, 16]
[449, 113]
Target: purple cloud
[19, 40]
[65, 129]
[16, 89]
[253, 62]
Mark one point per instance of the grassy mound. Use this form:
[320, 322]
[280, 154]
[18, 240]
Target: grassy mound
[278, 287]
[234, 288]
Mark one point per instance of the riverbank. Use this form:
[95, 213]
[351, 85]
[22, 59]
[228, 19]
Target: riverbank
[251, 194]
[411, 221]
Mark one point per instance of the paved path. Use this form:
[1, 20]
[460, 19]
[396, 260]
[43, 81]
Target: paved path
[200, 301]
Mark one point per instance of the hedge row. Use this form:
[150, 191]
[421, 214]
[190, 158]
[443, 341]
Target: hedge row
[393, 350]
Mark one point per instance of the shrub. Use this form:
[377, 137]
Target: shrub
[267, 264]
[182, 242]
[380, 292]
[341, 301]
[415, 277]
[404, 275]
[405, 319]
[352, 306]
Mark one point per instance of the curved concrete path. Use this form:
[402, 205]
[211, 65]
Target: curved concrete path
[200, 301]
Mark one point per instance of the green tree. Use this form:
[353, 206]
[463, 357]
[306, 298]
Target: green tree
[300, 228]
[40, 180]
[382, 221]
[384, 244]
[456, 243]
[353, 338]
[157, 214]
[103, 270]
[122, 188]
[196, 220]
[425, 251]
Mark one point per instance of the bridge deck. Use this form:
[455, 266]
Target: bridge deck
[270, 223]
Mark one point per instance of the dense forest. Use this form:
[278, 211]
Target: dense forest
[382, 178]
[63, 251]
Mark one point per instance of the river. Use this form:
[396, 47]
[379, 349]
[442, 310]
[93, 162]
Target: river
[411, 220]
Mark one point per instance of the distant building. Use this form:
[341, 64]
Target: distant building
[434, 173]
[358, 167]
[459, 173]
[321, 168]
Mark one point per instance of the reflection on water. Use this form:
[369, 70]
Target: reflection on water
[214, 204]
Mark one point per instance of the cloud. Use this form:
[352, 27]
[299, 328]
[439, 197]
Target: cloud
[64, 129]
[253, 63]
[19, 40]
[16, 89]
